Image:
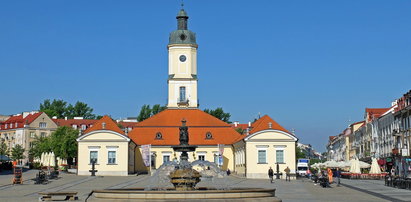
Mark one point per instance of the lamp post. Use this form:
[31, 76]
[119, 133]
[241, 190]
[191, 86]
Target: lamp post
[278, 171]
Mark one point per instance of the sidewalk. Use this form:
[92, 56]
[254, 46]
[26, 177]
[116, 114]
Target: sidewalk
[378, 189]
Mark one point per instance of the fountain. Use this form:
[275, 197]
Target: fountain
[184, 179]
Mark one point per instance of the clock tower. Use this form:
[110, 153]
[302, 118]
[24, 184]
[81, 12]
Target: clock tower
[182, 65]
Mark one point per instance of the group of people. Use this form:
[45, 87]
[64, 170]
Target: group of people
[325, 177]
[271, 174]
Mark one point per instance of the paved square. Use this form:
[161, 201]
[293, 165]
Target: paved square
[297, 190]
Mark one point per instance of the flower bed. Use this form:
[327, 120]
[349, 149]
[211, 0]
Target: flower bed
[363, 176]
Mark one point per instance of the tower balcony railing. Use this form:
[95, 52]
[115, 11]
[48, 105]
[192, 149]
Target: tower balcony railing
[182, 101]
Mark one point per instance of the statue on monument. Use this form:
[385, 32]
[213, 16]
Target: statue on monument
[183, 133]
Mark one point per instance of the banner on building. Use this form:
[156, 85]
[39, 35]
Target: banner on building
[145, 151]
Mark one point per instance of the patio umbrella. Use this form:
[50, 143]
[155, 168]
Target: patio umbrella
[364, 165]
[52, 159]
[42, 158]
[47, 161]
[331, 164]
[355, 166]
[375, 168]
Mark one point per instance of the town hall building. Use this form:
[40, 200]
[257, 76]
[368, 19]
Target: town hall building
[263, 144]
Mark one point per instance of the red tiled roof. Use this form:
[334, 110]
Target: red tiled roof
[128, 124]
[71, 122]
[199, 124]
[173, 117]
[109, 125]
[240, 125]
[374, 112]
[263, 124]
[19, 120]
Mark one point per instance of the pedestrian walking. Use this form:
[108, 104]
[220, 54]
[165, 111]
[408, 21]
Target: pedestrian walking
[270, 174]
[287, 173]
[338, 176]
[228, 172]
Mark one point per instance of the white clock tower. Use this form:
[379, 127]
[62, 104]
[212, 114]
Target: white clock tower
[182, 66]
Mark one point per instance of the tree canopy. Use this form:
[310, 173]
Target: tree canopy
[17, 152]
[61, 109]
[4, 150]
[220, 114]
[146, 111]
[62, 142]
[299, 154]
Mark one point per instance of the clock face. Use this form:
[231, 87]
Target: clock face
[183, 58]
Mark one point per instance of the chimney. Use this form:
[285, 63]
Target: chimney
[249, 124]
[236, 123]
[25, 114]
[54, 117]
[270, 125]
[65, 118]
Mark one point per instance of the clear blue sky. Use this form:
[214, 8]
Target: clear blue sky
[310, 65]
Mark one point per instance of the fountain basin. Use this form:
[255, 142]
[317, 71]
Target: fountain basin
[200, 194]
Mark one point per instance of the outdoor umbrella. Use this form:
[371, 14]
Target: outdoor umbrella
[375, 168]
[355, 166]
[42, 158]
[52, 159]
[363, 164]
[331, 164]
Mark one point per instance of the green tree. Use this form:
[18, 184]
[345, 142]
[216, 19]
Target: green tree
[60, 109]
[157, 109]
[299, 154]
[220, 114]
[146, 111]
[63, 142]
[4, 150]
[56, 108]
[17, 152]
[39, 146]
[80, 109]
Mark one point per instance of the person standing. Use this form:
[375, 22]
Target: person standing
[330, 175]
[287, 174]
[338, 176]
[270, 174]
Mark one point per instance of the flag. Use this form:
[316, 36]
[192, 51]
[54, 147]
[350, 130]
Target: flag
[145, 150]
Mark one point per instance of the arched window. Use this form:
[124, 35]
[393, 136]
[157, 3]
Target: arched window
[159, 136]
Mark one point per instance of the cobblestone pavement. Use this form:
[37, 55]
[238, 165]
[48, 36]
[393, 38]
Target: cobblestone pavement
[296, 190]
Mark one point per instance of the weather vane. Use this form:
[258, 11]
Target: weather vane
[182, 4]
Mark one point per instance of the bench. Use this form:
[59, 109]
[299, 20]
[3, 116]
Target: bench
[46, 196]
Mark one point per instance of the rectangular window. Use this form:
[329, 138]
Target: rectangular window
[42, 134]
[42, 124]
[111, 157]
[262, 156]
[182, 94]
[15, 125]
[93, 156]
[279, 156]
[201, 157]
[32, 134]
[83, 127]
[166, 158]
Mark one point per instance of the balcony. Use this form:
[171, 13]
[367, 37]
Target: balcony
[182, 101]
